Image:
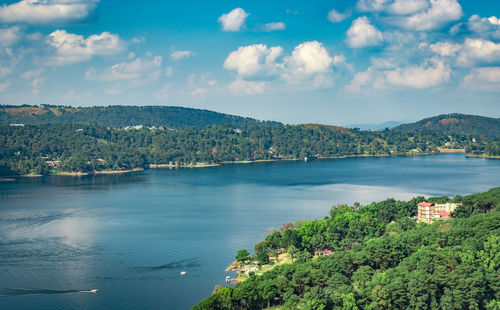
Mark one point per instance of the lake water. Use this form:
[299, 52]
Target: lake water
[130, 236]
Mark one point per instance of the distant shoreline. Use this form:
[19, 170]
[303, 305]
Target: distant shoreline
[207, 165]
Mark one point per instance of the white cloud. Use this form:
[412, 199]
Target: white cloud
[371, 5]
[241, 87]
[433, 73]
[487, 78]
[46, 11]
[478, 51]
[363, 34]
[445, 48]
[234, 20]
[253, 60]
[439, 14]
[198, 91]
[36, 84]
[169, 71]
[336, 17]
[32, 73]
[4, 71]
[405, 7]
[71, 48]
[487, 27]
[140, 69]
[138, 40]
[9, 36]
[309, 65]
[4, 86]
[179, 55]
[362, 80]
[274, 26]
[164, 92]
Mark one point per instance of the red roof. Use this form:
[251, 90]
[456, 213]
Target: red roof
[425, 204]
[444, 214]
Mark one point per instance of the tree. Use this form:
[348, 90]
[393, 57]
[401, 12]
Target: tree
[242, 255]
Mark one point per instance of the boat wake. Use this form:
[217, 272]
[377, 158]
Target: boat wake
[23, 291]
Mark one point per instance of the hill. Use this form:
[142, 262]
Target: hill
[378, 257]
[456, 124]
[122, 116]
[374, 126]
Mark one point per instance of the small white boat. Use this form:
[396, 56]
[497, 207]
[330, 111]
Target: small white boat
[183, 273]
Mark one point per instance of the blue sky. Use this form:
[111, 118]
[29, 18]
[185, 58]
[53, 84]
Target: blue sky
[332, 62]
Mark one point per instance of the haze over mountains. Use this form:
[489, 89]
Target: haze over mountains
[180, 117]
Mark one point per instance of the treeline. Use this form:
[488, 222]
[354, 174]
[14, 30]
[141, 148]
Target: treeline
[121, 116]
[383, 260]
[44, 149]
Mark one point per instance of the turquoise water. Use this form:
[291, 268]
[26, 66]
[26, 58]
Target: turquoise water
[130, 236]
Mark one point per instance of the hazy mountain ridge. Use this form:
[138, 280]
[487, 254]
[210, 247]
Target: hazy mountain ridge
[122, 116]
[456, 124]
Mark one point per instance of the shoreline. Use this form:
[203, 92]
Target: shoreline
[483, 156]
[207, 165]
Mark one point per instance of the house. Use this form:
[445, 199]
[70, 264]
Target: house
[323, 252]
[429, 212]
[16, 125]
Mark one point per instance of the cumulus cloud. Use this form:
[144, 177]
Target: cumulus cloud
[335, 16]
[46, 11]
[234, 20]
[274, 26]
[487, 78]
[311, 62]
[9, 36]
[363, 34]
[71, 48]
[309, 65]
[398, 7]
[487, 27]
[140, 69]
[405, 7]
[445, 48]
[433, 73]
[253, 60]
[478, 51]
[241, 87]
[179, 55]
[439, 14]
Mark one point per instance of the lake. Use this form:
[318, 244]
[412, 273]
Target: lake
[130, 236]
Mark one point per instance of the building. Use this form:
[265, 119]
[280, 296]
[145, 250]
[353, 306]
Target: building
[429, 212]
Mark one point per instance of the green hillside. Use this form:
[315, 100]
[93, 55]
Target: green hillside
[121, 116]
[456, 124]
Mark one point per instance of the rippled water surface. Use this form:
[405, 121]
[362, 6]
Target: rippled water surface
[130, 236]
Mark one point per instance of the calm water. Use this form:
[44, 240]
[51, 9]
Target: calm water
[131, 236]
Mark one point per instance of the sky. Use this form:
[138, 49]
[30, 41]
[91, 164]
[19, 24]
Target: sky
[331, 62]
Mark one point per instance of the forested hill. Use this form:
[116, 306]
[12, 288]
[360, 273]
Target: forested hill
[122, 116]
[456, 124]
[378, 257]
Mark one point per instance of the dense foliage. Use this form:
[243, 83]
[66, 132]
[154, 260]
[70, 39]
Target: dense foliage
[384, 260]
[87, 148]
[456, 124]
[121, 116]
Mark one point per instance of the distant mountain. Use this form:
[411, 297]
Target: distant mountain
[122, 116]
[456, 124]
[375, 127]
